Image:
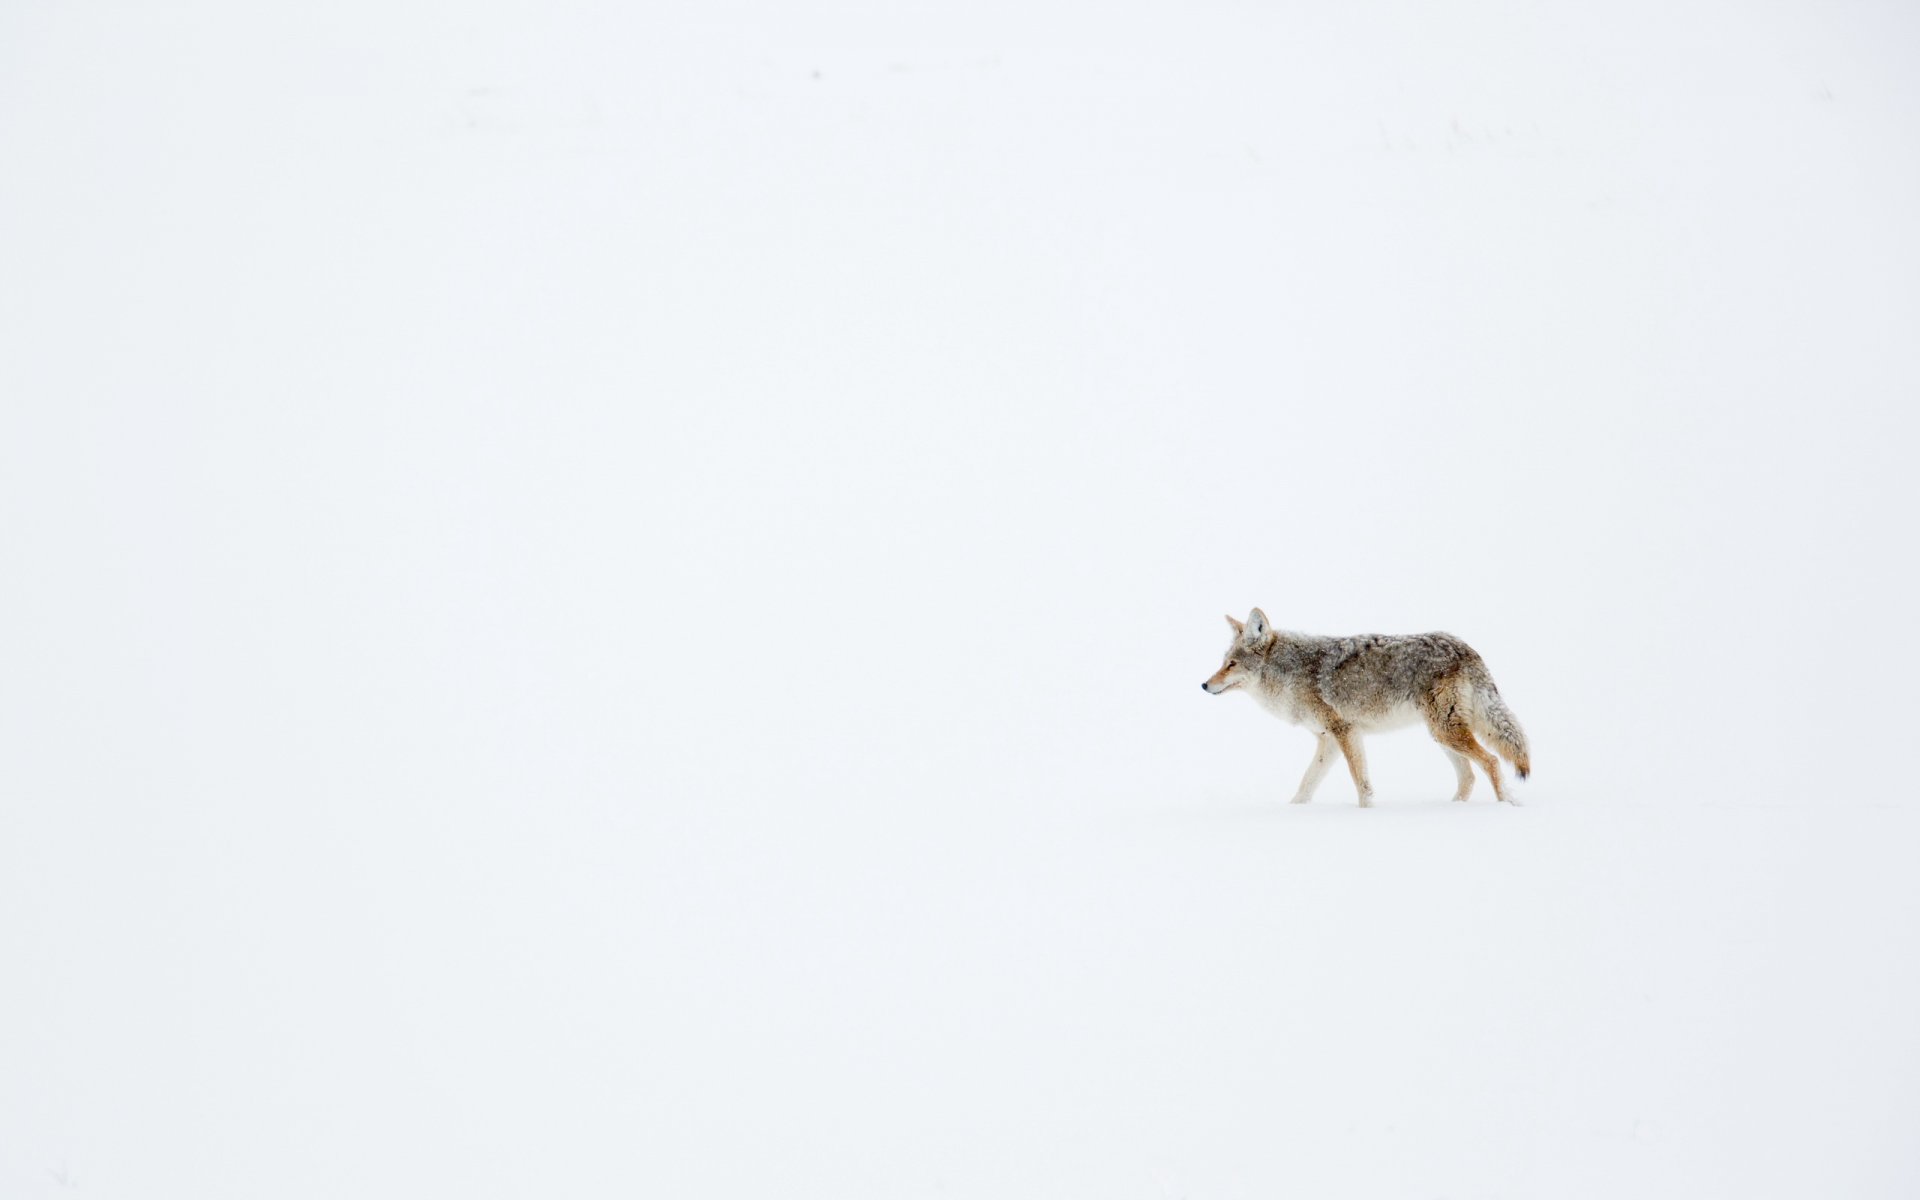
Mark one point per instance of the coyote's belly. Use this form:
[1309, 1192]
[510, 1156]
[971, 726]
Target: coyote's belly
[1298, 705]
[1393, 716]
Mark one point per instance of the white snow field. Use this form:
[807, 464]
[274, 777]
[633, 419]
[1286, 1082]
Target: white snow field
[604, 600]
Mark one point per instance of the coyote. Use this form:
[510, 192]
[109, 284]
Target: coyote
[1342, 687]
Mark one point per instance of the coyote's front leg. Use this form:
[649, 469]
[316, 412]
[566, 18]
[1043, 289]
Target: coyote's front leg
[1356, 762]
[1316, 770]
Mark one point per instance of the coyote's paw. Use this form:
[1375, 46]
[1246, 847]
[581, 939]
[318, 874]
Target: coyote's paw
[1301, 798]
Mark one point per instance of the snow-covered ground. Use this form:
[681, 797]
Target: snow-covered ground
[605, 600]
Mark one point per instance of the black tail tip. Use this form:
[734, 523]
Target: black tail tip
[1523, 772]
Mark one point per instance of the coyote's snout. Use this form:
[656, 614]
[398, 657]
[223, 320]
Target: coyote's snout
[1230, 675]
[1341, 688]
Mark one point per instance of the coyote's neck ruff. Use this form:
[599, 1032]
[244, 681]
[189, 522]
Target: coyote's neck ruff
[1343, 687]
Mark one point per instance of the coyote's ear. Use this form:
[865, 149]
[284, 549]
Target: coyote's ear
[1257, 623]
[1237, 626]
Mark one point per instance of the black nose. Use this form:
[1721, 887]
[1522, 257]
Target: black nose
[1203, 687]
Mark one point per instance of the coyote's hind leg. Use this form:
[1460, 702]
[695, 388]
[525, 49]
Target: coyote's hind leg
[1462, 768]
[1456, 737]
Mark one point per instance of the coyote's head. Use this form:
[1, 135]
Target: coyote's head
[1242, 655]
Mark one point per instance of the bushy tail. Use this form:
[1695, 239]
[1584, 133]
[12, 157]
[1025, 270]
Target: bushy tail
[1496, 725]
